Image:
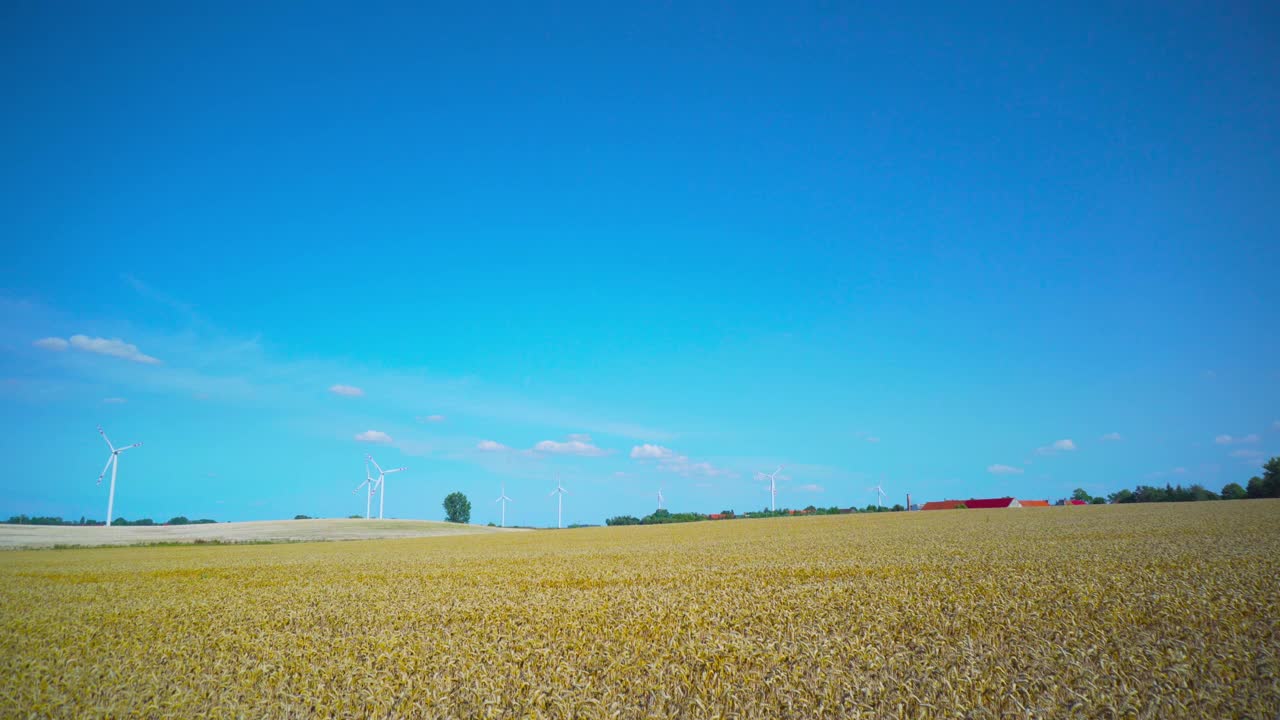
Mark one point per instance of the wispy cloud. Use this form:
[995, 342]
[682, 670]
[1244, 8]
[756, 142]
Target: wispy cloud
[1111, 437]
[670, 461]
[113, 347]
[346, 390]
[491, 446]
[651, 452]
[113, 401]
[571, 446]
[374, 436]
[1230, 440]
[998, 469]
[430, 418]
[1056, 446]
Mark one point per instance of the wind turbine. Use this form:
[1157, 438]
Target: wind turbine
[368, 480]
[381, 487]
[561, 492]
[773, 488]
[660, 498]
[880, 495]
[113, 462]
[504, 500]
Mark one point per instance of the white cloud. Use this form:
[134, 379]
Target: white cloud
[114, 347]
[430, 418]
[1229, 440]
[114, 401]
[374, 436]
[346, 391]
[651, 452]
[810, 488]
[491, 446]
[1004, 470]
[1111, 437]
[671, 461]
[1056, 446]
[569, 447]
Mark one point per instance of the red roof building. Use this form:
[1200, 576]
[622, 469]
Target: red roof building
[943, 505]
[1034, 503]
[1077, 502]
[991, 503]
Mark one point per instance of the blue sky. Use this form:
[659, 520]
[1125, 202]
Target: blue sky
[634, 247]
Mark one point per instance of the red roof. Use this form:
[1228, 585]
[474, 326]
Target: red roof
[1034, 503]
[943, 505]
[1077, 502]
[985, 503]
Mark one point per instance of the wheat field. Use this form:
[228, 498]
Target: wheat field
[1142, 611]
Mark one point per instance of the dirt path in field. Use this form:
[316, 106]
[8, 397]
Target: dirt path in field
[37, 536]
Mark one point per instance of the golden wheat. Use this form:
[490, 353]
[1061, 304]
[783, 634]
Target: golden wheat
[1130, 611]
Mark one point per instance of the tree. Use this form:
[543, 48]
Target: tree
[1271, 478]
[180, 520]
[1081, 494]
[301, 517]
[1233, 491]
[1098, 501]
[1254, 489]
[457, 508]
[623, 520]
[1124, 496]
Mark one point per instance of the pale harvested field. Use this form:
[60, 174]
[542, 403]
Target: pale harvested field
[1154, 611]
[41, 536]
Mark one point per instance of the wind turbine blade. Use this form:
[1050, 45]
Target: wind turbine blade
[376, 466]
[553, 492]
[128, 447]
[396, 470]
[106, 467]
[105, 439]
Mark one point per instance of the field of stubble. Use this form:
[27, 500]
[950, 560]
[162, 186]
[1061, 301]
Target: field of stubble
[1155, 611]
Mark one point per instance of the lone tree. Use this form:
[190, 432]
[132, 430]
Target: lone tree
[457, 508]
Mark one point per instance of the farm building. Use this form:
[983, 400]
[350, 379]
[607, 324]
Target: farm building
[991, 503]
[943, 505]
[1034, 503]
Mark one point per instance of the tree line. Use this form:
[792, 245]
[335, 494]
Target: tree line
[1266, 486]
[118, 522]
[665, 517]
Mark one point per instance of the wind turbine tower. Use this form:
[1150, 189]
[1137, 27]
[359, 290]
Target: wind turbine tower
[382, 484]
[880, 495]
[773, 487]
[368, 480]
[504, 500]
[660, 498]
[560, 492]
[113, 462]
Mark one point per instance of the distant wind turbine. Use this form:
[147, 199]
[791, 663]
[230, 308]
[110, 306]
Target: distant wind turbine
[773, 487]
[368, 480]
[113, 462]
[382, 482]
[660, 498]
[561, 492]
[880, 495]
[504, 500]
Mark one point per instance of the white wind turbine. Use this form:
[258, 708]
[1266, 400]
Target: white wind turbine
[660, 498]
[368, 480]
[773, 488]
[113, 462]
[381, 486]
[880, 495]
[561, 492]
[504, 500]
